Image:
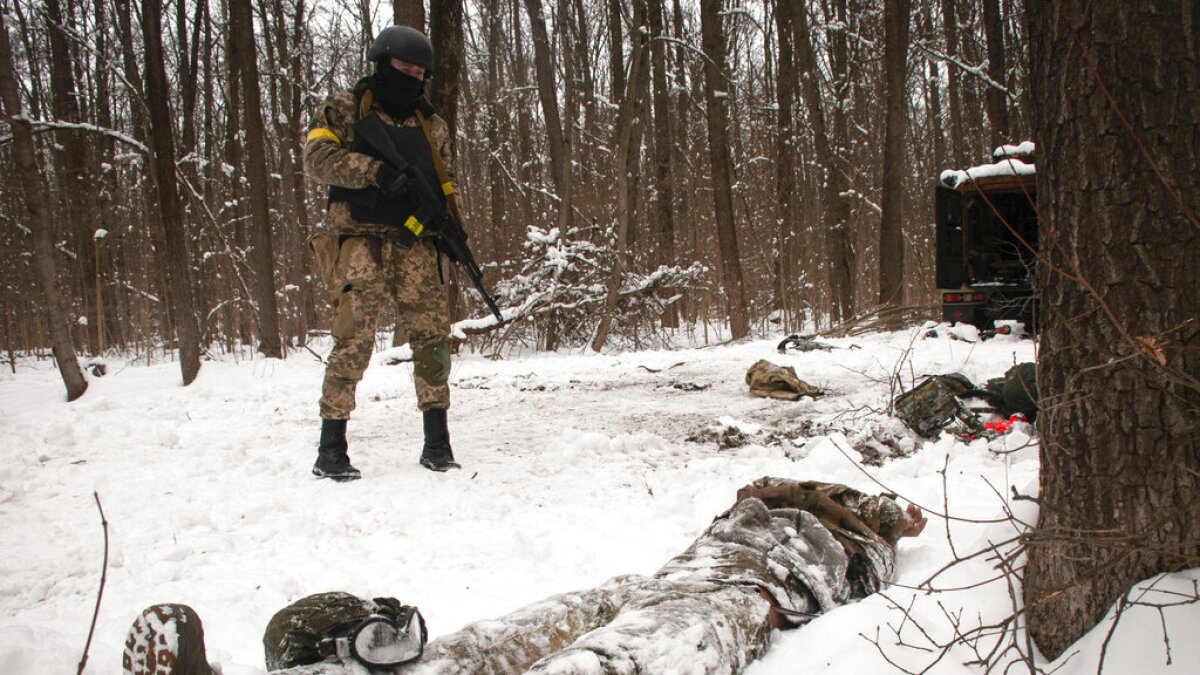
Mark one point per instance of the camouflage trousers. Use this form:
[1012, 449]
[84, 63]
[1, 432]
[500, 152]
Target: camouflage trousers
[631, 624]
[370, 278]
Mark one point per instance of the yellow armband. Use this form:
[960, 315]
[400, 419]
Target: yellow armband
[322, 134]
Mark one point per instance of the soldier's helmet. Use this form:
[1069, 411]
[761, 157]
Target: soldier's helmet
[404, 43]
[377, 633]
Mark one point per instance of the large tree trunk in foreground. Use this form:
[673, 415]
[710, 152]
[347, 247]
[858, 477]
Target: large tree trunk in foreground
[35, 203]
[1119, 364]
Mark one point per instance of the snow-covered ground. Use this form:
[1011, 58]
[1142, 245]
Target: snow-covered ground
[577, 468]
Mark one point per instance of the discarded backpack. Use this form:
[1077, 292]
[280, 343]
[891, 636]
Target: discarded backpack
[934, 403]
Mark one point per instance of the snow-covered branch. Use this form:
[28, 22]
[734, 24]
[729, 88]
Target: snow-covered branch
[979, 71]
[41, 126]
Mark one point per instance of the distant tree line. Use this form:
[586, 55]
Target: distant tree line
[758, 164]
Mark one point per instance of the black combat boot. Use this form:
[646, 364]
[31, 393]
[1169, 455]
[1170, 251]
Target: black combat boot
[332, 460]
[437, 456]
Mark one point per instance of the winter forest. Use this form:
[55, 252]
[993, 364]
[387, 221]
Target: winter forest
[657, 192]
[730, 159]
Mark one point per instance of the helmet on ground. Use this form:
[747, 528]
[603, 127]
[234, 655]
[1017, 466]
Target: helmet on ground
[376, 633]
[404, 43]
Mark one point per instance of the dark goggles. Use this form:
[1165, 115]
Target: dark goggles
[380, 641]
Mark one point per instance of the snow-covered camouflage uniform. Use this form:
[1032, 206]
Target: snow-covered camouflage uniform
[784, 553]
[803, 549]
[368, 269]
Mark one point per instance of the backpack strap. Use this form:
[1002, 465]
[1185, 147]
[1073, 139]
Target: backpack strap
[364, 96]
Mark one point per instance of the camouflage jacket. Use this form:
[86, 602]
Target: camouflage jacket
[329, 159]
[812, 546]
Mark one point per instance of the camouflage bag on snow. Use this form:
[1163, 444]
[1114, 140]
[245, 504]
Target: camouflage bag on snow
[928, 407]
[771, 381]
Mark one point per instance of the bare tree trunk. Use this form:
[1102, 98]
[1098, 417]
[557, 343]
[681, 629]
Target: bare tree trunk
[835, 218]
[560, 151]
[291, 81]
[891, 226]
[1119, 364]
[409, 13]
[446, 33]
[664, 182]
[997, 101]
[934, 87]
[174, 260]
[35, 203]
[716, 96]
[499, 220]
[958, 153]
[785, 151]
[109, 329]
[616, 51]
[263, 254]
[520, 67]
[72, 162]
[624, 136]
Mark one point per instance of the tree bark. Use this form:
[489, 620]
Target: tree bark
[997, 101]
[496, 146]
[1116, 91]
[560, 151]
[716, 96]
[446, 33]
[933, 84]
[616, 51]
[835, 216]
[35, 203]
[664, 182]
[409, 13]
[174, 260]
[625, 138]
[785, 151]
[262, 256]
[891, 224]
[71, 162]
[958, 152]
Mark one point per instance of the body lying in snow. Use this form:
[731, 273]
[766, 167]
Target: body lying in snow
[784, 553]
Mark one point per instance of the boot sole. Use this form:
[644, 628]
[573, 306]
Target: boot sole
[336, 477]
[440, 468]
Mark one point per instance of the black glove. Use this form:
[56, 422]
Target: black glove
[392, 183]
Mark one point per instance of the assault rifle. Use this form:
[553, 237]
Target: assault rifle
[451, 239]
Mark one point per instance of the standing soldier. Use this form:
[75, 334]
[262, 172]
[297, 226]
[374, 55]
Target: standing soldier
[370, 252]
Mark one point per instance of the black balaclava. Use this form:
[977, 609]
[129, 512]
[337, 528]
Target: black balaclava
[395, 91]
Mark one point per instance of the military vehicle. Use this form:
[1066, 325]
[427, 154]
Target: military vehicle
[987, 239]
